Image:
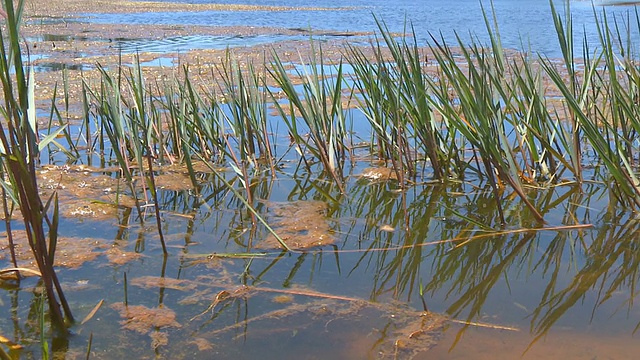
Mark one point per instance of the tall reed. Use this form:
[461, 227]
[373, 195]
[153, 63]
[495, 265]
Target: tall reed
[473, 102]
[20, 147]
[603, 107]
[394, 95]
[317, 105]
[245, 109]
[123, 135]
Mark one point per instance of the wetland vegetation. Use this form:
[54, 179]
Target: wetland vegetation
[389, 199]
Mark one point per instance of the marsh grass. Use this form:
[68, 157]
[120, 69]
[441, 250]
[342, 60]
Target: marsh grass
[319, 104]
[245, 110]
[57, 126]
[603, 106]
[395, 98]
[115, 130]
[451, 112]
[479, 110]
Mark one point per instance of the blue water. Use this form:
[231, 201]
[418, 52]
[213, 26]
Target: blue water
[526, 25]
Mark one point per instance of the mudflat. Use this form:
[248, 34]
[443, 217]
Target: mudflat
[70, 8]
[63, 35]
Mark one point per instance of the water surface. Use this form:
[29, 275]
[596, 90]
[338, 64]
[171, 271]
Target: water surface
[392, 258]
[524, 25]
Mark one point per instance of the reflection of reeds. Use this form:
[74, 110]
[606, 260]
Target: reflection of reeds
[611, 268]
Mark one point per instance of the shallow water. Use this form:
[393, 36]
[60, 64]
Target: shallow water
[524, 25]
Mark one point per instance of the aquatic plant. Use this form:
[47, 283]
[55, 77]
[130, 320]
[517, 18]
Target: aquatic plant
[122, 135]
[319, 107]
[603, 107]
[245, 110]
[471, 98]
[19, 155]
[394, 95]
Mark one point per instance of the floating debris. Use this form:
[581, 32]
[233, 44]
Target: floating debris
[79, 285]
[201, 343]
[301, 224]
[83, 191]
[71, 252]
[387, 228]
[393, 331]
[173, 182]
[159, 338]
[379, 174]
[118, 256]
[143, 320]
[282, 299]
[87, 192]
[149, 282]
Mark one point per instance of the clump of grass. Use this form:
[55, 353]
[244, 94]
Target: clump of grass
[395, 98]
[475, 102]
[318, 107]
[245, 110]
[603, 107]
[134, 126]
[123, 135]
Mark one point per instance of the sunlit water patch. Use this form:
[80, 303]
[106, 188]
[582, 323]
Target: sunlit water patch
[523, 25]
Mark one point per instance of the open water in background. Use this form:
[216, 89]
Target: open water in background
[526, 25]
